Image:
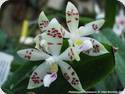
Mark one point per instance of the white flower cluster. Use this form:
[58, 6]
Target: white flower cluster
[49, 44]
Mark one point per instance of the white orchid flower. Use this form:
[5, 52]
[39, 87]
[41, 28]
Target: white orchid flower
[78, 36]
[46, 73]
[40, 41]
[119, 25]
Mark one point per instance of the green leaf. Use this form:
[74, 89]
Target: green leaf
[114, 40]
[96, 67]
[110, 11]
[110, 83]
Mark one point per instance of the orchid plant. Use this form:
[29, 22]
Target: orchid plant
[46, 73]
[77, 36]
[49, 44]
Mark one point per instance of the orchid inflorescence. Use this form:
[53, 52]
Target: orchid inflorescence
[49, 44]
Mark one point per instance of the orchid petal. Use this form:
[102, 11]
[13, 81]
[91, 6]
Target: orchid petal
[70, 54]
[83, 45]
[32, 54]
[43, 21]
[71, 76]
[36, 79]
[71, 42]
[65, 33]
[72, 17]
[49, 78]
[54, 37]
[98, 48]
[90, 28]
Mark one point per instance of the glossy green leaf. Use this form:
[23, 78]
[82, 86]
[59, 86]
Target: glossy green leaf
[110, 83]
[110, 10]
[113, 39]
